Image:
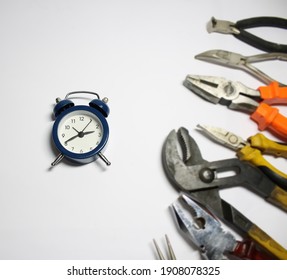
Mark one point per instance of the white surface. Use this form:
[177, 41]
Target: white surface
[137, 53]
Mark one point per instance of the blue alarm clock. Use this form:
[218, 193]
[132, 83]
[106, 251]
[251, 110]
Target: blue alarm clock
[80, 132]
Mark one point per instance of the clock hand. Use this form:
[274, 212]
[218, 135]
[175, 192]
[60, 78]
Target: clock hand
[75, 130]
[87, 132]
[80, 134]
[86, 125]
[72, 138]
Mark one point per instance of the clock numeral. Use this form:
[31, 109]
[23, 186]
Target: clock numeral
[73, 148]
[63, 135]
[67, 127]
[97, 126]
[73, 120]
[81, 151]
[91, 148]
[100, 134]
[81, 118]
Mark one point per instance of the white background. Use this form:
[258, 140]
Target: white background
[137, 53]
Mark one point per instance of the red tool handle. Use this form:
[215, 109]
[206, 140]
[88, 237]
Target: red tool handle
[247, 250]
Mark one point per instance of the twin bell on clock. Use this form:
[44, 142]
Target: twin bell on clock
[80, 132]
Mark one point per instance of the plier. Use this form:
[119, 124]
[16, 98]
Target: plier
[204, 230]
[237, 96]
[251, 150]
[238, 61]
[237, 29]
[192, 174]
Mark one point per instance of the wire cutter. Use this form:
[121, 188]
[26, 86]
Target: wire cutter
[191, 173]
[238, 61]
[251, 150]
[204, 230]
[238, 30]
[237, 96]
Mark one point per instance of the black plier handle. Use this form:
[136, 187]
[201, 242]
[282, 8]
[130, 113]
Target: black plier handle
[238, 30]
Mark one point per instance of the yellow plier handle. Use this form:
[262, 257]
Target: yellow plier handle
[253, 153]
[278, 197]
[267, 146]
[267, 242]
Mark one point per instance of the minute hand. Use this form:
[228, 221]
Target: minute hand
[86, 125]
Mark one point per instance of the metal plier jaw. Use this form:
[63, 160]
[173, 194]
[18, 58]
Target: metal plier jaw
[176, 165]
[224, 137]
[221, 26]
[189, 171]
[202, 229]
[220, 90]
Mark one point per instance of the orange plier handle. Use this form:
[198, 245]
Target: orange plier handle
[267, 116]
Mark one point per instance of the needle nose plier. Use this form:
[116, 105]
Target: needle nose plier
[251, 150]
[204, 230]
[238, 30]
[202, 179]
[236, 60]
[237, 96]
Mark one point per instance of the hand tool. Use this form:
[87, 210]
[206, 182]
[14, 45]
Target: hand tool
[204, 230]
[169, 247]
[237, 96]
[238, 61]
[238, 30]
[199, 174]
[251, 150]
[191, 173]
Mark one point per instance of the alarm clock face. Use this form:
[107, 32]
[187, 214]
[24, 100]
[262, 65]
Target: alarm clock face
[80, 131]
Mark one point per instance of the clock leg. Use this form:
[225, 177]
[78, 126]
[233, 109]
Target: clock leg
[103, 158]
[58, 159]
